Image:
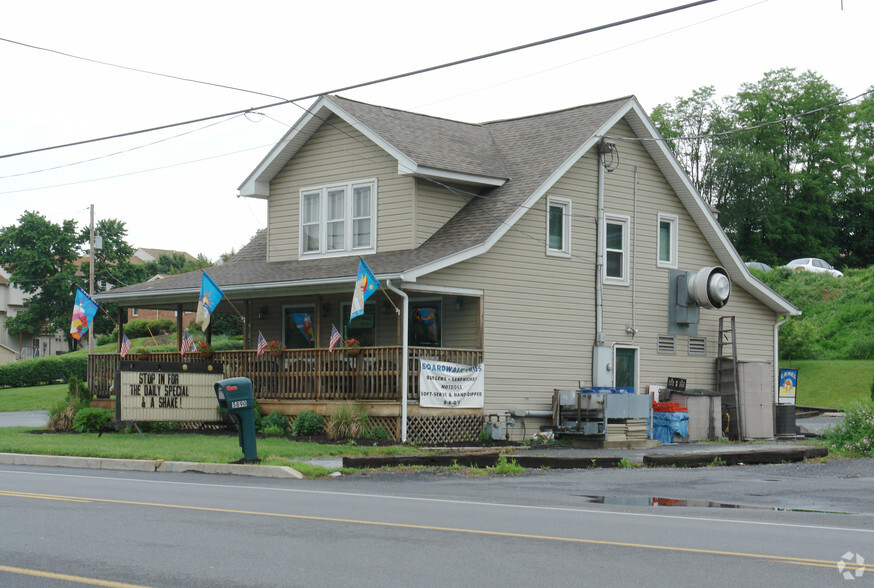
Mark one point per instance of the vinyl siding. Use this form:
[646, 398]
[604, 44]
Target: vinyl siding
[434, 206]
[336, 153]
[540, 311]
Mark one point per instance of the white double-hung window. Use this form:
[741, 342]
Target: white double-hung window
[616, 249]
[338, 218]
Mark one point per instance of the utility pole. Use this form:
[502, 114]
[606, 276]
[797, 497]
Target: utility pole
[91, 282]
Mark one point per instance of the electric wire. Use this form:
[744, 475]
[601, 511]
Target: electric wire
[376, 81]
[138, 70]
[107, 155]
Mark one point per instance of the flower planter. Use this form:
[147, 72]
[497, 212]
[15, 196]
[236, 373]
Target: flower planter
[143, 356]
[352, 351]
[274, 353]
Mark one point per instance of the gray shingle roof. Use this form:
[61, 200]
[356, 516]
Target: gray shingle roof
[525, 150]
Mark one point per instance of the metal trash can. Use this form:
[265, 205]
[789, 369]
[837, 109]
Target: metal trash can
[785, 417]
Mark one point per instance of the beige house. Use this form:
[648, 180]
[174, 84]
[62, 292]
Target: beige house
[22, 345]
[555, 249]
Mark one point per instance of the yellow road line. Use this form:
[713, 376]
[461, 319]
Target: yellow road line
[776, 558]
[67, 577]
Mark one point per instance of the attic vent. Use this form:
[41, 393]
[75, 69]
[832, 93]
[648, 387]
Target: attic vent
[697, 346]
[666, 344]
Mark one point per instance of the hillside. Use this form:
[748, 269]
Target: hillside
[837, 313]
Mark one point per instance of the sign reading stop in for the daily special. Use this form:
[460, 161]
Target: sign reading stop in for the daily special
[153, 391]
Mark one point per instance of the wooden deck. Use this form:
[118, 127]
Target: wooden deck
[374, 374]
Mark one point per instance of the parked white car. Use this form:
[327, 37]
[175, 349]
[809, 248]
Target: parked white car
[815, 265]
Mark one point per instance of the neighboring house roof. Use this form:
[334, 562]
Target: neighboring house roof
[512, 162]
[142, 255]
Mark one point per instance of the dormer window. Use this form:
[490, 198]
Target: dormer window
[338, 219]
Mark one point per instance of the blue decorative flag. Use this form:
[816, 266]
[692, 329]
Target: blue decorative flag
[304, 324]
[365, 285]
[210, 296]
[84, 309]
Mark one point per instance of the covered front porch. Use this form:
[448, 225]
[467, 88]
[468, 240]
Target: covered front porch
[307, 375]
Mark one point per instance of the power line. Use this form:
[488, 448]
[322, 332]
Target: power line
[99, 157]
[145, 71]
[377, 81]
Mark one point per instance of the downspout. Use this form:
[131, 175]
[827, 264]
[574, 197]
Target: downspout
[777, 359]
[405, 363]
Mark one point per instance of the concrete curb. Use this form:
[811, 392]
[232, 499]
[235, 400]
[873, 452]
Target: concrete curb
[147, 465]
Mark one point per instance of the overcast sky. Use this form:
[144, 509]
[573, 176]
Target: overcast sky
[177, 188]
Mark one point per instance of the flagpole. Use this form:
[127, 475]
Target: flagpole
[91, 281]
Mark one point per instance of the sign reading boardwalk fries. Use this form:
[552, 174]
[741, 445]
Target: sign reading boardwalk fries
[451, 385]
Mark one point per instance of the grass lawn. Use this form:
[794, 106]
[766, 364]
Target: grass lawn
[185, 447]
[33, 398]
[832, 384]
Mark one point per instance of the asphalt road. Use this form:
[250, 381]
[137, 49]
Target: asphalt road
[438, 529]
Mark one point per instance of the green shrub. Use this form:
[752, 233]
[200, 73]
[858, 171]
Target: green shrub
[307, 422]
[161, 327]
[275, 423]
[63, 414]
[872, 390]
[43, 370]
[854, 436]
[375, 433]
[79, 391]
[91, 420]
[346, 423]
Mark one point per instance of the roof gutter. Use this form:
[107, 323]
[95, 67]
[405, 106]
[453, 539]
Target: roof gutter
[232, 291]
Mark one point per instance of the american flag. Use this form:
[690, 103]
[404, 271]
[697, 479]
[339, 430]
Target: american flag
[262, 344]
[187, 342]
[335, 338]
[125, 345]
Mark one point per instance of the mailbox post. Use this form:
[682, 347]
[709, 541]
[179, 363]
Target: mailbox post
[235, 395]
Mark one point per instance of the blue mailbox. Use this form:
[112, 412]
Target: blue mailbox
[235, 395]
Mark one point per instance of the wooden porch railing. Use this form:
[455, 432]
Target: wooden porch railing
[305, 374]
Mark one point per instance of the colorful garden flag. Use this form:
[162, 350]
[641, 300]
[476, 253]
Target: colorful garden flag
[210, 296]
[84, 309]
[365, 285]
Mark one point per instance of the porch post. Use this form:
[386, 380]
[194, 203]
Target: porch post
[119, 319]
[178, 327]
[405, 359]
[247, 320]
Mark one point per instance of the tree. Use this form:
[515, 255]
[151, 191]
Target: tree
[40, 257]
[175, 263]
[856, 233]
[693, 119]
[801, 158]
